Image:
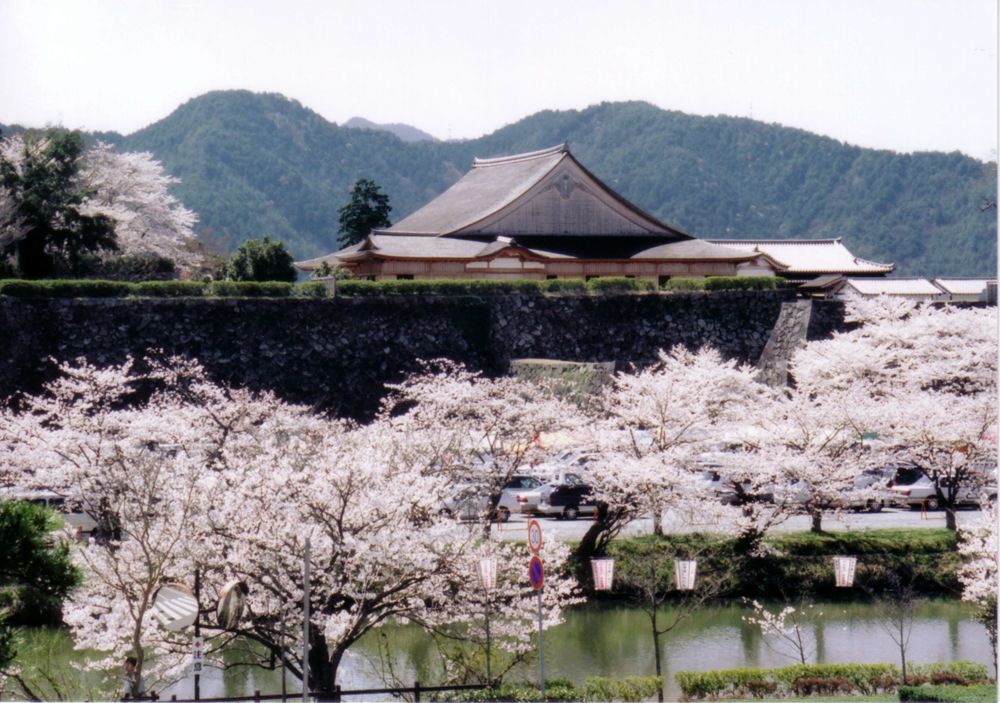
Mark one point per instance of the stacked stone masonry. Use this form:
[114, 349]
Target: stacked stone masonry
[337, 354]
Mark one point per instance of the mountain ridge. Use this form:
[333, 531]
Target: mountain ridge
[254, 164]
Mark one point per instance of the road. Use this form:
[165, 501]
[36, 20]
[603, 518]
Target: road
[573, 530]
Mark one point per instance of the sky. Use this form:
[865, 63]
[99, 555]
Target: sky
[905, 75]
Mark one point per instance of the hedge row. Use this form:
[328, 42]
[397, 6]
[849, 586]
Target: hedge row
[153, 289]
[800, 563]
[953, 694]
[351, 288]
[827, 679]
[716, 283]
[595, 688]
[494, 287]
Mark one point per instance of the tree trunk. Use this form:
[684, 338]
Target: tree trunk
[322, 664]
[588, 545]
[658, 522]
[817, 520]
[656, 648]
[950, 521]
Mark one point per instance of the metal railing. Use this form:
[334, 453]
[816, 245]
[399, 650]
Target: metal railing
[321, 696]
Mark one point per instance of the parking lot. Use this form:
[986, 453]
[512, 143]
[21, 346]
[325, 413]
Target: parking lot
[573, 530]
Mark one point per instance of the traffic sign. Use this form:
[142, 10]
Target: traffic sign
[534, 536]
[198, 649]
[536, 573]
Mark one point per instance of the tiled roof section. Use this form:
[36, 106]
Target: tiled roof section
[696, 249]
[893, 286]
[418, 247]
[542, 193]
[963, 286]
[810, 255]
[488, 187]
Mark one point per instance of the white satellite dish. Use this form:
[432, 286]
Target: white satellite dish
[174, 606]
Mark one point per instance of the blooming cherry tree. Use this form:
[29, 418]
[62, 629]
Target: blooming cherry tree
[923, 378]
[132, 189]
[184, 474]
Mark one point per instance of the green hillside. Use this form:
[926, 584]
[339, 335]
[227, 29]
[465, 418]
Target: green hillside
[253, 164]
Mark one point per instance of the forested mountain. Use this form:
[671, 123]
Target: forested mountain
[405, 132]
[255, 164]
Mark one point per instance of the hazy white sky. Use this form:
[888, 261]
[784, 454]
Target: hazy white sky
[908, 75]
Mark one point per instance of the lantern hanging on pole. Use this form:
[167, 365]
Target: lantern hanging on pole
[843, 570]
[684, 573]
[488, 573]
[604, 573]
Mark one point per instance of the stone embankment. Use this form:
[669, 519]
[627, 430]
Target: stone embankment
[336, 354]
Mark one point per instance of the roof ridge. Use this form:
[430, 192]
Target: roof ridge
[514, 158]
[775, 241]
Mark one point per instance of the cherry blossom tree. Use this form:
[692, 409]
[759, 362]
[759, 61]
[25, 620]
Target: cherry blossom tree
[68, 199]
[923, 378]
[658, 421]
[979, 546]
[132, 189]
[476, 430]
[185, 474]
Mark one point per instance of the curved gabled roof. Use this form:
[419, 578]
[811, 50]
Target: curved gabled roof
[544, 192]
[815, 256]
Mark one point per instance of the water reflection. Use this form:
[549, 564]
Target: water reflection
[616, 641]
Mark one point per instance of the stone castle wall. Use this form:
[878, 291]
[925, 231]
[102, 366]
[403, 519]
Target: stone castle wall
[336, 354]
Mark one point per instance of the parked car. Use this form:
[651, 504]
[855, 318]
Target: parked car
[568, 501]
[868, 493]
[922, 492]
[550, 481]
[520, 495]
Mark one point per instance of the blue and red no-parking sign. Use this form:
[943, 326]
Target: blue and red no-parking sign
[536, 573]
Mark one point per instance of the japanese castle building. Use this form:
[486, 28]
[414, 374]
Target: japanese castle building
[542, 215]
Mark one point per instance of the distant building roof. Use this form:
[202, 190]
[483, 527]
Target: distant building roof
[547, 193]
[964, 286]
[810, 256]
[891, 286]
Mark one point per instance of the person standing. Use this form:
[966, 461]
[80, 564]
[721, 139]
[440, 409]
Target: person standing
[132, 686]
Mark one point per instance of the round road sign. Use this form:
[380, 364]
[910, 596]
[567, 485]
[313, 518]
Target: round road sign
[534, 536]
[536, 573]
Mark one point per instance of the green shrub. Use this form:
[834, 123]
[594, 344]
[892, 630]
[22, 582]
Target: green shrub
[684, 285]
[249, 289]
[970, 671]
[744, 283]
[312, 289]
[597, 689]
[614, 284]
[261, 260]
[169, 289]
[702, 684]
[567, 286]
[358, 288]
[954, 694]
[66, 289]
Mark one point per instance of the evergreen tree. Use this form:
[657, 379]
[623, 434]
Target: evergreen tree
[261, 260]
[368, 209]
[42, 182]
[37, 574]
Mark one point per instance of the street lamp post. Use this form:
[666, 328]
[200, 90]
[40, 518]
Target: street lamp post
[488, 575]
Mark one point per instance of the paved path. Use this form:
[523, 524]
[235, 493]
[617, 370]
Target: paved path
[888, 518]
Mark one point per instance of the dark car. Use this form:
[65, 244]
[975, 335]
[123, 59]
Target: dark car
[569, 501]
